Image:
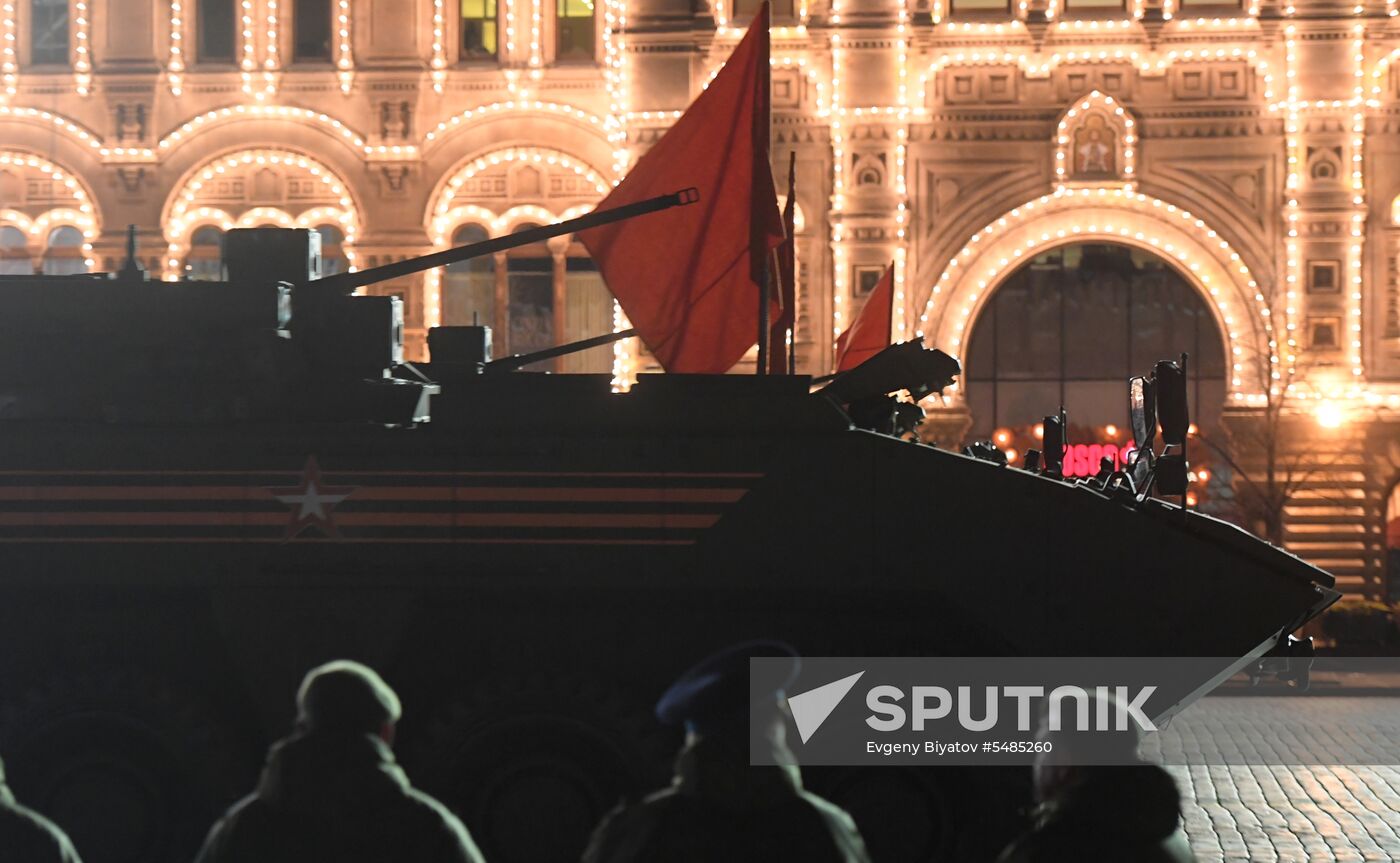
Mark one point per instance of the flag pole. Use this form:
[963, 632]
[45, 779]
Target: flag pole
[764, 321]
[763, 99]
[790, 226]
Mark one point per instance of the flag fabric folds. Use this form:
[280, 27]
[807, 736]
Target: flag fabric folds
[870, 332]
[688, 278]
[786, 320]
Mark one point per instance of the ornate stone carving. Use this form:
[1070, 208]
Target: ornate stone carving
[395, 121]
[131, 122]
[130, 178]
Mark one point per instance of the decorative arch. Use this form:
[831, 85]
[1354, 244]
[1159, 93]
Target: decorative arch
[242, 113]
[211, 194]
[1118, 216]
[577, 116]
[52, 122]
[583, 185]
[1096, 142]
[59, 197]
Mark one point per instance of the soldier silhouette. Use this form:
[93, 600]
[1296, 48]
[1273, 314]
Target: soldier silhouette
[28, 837]
[332, 791]
[1095, 800]
[719, 808]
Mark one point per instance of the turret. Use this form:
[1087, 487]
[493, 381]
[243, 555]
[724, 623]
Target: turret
[274, 341]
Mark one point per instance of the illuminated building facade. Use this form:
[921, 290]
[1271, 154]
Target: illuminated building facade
[1234, 167]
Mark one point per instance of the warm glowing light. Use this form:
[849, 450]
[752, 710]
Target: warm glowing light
[1107, 212]
[1111, 430]
[448, 213]
[1330, 415]
[1113, 113]
[234, 113]
[9, 66]
[1011, 455]
[481, 112]
[439, 59]
[81, 59]
[77, 210]
[182, 216]
[175, 58]
[1039, 431]
[344, 56]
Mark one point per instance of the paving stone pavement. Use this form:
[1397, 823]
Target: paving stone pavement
[1292, 814]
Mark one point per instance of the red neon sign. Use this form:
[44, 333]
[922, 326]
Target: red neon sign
[1083, 459]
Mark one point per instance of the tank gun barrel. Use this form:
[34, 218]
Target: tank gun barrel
[516, 361]
[349, 282]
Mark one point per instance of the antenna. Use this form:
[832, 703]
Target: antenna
[131, 267]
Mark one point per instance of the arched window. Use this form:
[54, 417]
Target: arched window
[478, 29]
[588, 312]
[48, 32]
[14, 253]
[469, 287]
[333, 258]
[64, 255]
[205, 260]
[311, 31]
[1073, 324]
[574, 32]
[530, 311]
[214, 19]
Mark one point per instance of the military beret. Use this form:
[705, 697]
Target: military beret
[716, 690]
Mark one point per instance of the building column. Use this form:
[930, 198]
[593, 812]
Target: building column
[559, 252]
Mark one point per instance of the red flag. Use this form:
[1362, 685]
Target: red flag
[787, 278]
[688, 278]
[870, 332]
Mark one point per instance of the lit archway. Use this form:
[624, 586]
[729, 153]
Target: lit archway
[254, 187]
[38, 198]
[507, 188]
[1123, 217]
[1068, 328]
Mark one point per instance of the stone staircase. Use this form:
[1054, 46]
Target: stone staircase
[1333, 520]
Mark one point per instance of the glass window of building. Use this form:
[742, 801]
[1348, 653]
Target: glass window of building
[1073, 324]
[529, 299]
[216, 33]
[574, 30]
[48, 28]
[478, 31]
[588, 312]
[333, 257]
[205, 260]
[469, 287]
[14, 252]
[64, 255]
[312, 31]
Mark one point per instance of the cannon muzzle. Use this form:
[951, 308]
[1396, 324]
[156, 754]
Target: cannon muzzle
[347, 283]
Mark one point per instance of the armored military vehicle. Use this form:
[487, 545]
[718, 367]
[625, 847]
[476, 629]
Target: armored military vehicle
[206, 488]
